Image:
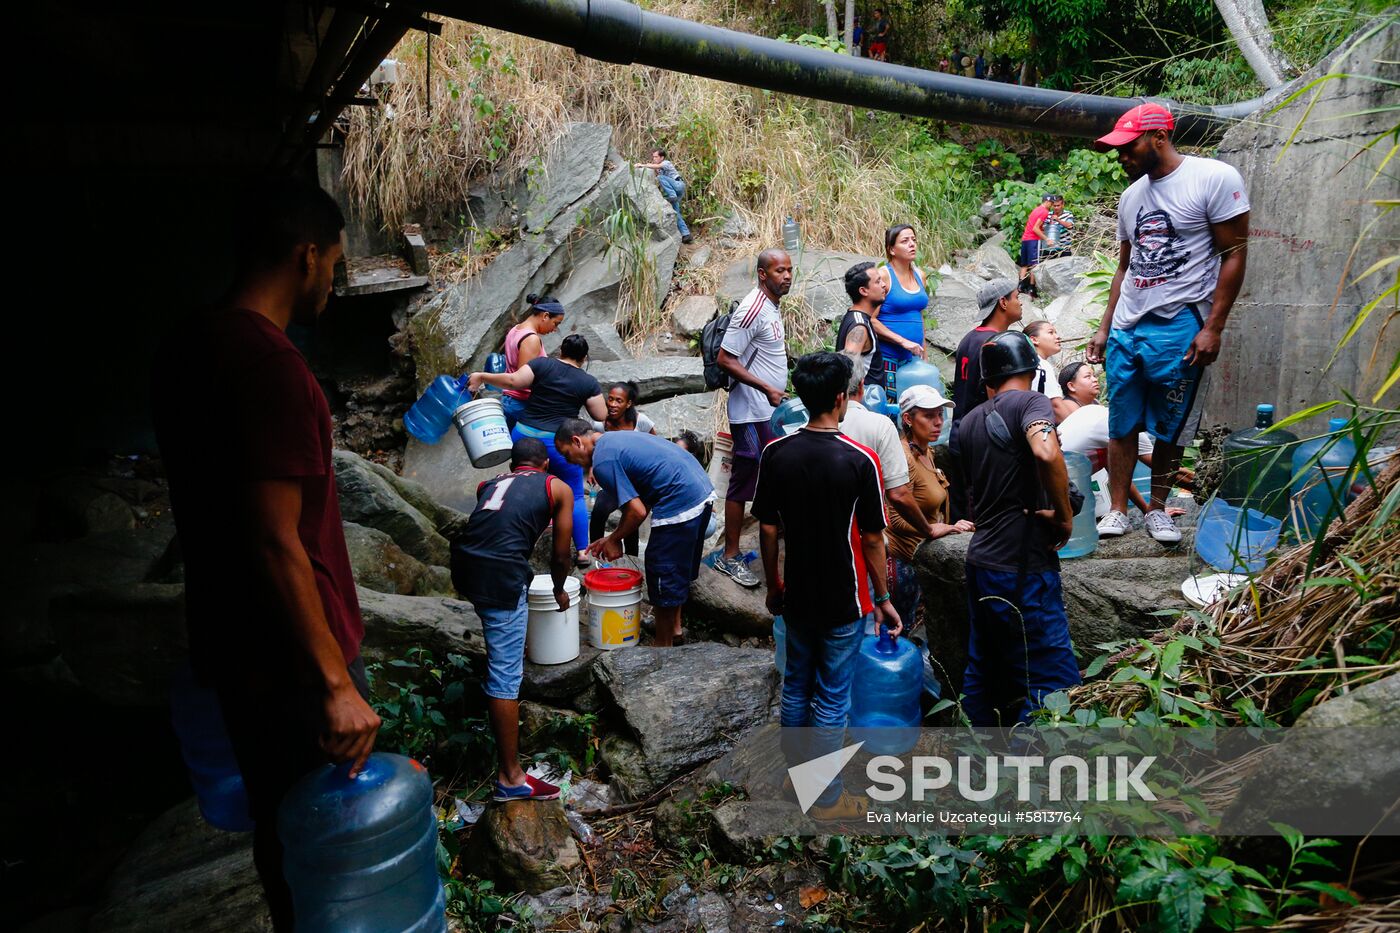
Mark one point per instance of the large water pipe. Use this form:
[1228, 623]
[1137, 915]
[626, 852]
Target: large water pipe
[621, 32]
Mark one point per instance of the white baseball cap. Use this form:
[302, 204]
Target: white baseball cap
[921, 396]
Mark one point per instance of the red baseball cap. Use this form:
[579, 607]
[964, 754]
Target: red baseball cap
[1144, 118]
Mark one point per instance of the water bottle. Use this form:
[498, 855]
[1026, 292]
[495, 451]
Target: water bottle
[874, 400]
[361, 854]
[495, 363]
[780, 645]
[1258, 466]
[431, 416]
[792, 235]
[1084, 538]
[204, 744]
[885, 688]
[1320, 490]
[788, 418]
[917, 372]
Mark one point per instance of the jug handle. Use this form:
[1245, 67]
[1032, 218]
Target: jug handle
[885, 643]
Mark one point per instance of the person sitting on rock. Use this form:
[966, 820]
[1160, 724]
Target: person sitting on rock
[823, 491]
[647, 474]
[672, 185]
[1019, 646]
[524, 342]
[559, 387]
[491, 569]
[1046, 340]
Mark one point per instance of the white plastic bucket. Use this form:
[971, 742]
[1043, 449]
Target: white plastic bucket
[614, 607]
[482, 425]
[551, 636]
[722, 462]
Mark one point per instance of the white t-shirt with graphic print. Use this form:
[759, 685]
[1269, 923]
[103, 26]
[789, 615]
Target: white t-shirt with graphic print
[1167, 222]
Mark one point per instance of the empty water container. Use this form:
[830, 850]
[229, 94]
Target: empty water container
[495, 363]
[1258, 465]
[431, 416]
[1084, 539]
[1235, 540]
[792, 235]
[1320, 488]
[780, 645]
[204, 743]
[360, 854]
[889, 676]
[788, 418]
[920, 372]
[874, 400]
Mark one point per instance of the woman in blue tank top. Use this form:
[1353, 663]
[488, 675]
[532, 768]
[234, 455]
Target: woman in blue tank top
[900, 325]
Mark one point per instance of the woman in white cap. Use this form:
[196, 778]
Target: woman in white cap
[921, 413]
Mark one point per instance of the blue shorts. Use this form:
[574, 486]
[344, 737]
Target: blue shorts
[673, 560]
[1150, 388]
[1030, 254]
[505, 649]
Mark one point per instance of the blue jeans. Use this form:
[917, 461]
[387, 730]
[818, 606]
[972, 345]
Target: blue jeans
[673, 189]
[1018, 649]
[513, 408]
[504, 630]
[566, 471]
[817, 693]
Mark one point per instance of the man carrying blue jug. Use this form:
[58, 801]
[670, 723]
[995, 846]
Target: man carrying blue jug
[1019, 646]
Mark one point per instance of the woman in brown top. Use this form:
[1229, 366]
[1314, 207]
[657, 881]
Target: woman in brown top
[921, 411]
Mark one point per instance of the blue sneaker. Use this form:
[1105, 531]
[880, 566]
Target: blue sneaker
[532, 789]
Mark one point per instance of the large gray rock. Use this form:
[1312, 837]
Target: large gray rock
[1075, 317]
[122, 641]
[1109, 596]
[445, 471]
[1058, 277]
[184, 876]
[573, 164]
[393, 624]
[818, 280]
[692, 313]
[367, 498]
[990, 261]
[1340, 755]
[448, 521]
[697, 412]
[953, 306]
[381, 565]
[687, 705]
[728, 606]
[526, 845]
[655, 378]
[570, 684]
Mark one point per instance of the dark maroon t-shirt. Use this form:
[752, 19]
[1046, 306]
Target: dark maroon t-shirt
[235, 402]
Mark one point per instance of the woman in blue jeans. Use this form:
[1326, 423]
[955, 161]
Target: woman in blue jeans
[559, 387]
[668, 178]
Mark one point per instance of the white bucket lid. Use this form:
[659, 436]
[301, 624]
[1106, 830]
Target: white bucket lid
[543, 585]
[1202, 590]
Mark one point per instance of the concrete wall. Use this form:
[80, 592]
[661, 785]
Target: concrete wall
[1308, 210]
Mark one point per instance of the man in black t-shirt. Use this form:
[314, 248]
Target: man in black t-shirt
[824, 491]
[867, 285]
[1019, 646]
[491, 567]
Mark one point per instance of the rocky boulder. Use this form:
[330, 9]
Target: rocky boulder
[1075, 317]
[122, 641]
[655, 378]
[729, 607]
[692, 313]
[953, 306]
[697, 412]
[1110, 595]
[1059, 277]
[380, 564]
[990, 261]
[572, 166]
[394, 624]
[448, 521]
[684, 706]
[526, 845]
[367, 498]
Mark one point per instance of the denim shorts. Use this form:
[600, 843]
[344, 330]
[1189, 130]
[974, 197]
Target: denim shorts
[505, 649]
[1150, 387]
[673, 560]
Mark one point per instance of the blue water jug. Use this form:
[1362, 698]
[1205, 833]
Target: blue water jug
[1084, 539]
[495, 363]
[1235, 540]
[1258, 466]
[431, 416]
[360, 854]
[874, 400]
[780, 645]
[920, 372]
[885, 688]
[1142, 479]
[204, 744]
[788, 418]
[1320, 490]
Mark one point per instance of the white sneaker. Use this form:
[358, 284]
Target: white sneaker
[1161, 527]
[1114, 525]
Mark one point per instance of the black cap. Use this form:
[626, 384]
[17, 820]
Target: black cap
[1009, 353]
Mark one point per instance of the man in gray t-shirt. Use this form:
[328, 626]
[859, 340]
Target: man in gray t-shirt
[672, 186]
[1183, 225]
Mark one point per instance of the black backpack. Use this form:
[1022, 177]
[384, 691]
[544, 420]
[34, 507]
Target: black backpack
[710, 339]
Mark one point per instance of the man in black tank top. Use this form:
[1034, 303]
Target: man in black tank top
[491, 567]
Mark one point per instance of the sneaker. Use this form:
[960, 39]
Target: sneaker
[1161, 527]
[532, 789]
[1114, 525]
[737, 570]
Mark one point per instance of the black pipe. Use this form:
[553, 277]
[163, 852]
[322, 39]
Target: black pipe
[621, 32]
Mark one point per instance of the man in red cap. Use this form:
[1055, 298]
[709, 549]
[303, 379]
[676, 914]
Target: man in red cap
[1183, 225]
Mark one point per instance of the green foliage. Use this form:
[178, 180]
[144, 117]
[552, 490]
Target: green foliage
[1216, 80]
[496, 121]
[1088, 180]
[567, 742]
[415, 705]
[813, 41]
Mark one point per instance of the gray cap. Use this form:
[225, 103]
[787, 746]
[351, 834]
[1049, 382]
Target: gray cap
[988, 295]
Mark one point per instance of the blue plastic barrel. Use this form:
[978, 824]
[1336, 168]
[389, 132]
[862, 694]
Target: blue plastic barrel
[204, 744]
[1320, 489]
[360, 854]
[1084, 539]
[885, 712]
[431, 416]
[920, 372]
[1235, 540]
